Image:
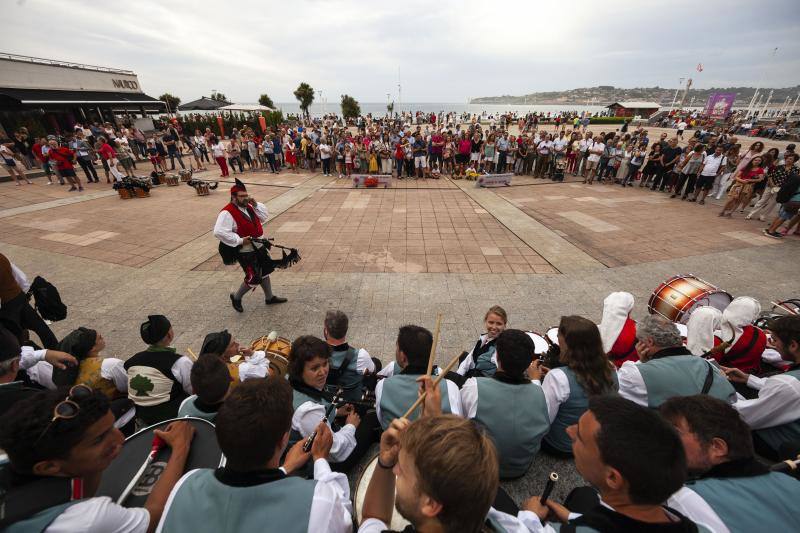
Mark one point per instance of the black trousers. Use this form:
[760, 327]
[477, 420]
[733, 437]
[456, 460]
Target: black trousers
[367, 432]
[20, 312]
[88, 168]
[172, 156]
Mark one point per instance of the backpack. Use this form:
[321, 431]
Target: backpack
[788, 189]
[48, 300]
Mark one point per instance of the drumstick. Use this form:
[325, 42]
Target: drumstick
[191, 354]
[432, 356]
[791, 311]
[548, 488]
[158, 443]
[436, 381]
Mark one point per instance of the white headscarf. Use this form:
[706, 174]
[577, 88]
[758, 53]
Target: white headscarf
[741, 312]
[616, 308]
[255, 366]
[703, 322]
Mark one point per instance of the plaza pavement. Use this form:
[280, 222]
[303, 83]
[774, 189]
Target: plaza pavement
[386, 257]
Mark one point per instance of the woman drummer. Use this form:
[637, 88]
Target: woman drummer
[482, 361]
[587, 372]
[309, 364]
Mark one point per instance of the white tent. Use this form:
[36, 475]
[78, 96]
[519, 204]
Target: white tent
[245, 107]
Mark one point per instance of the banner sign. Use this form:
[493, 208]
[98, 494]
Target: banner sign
[371, 180]
[719, 105]
[494, 180]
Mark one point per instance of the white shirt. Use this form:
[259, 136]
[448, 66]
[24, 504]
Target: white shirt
[218, 150]
[585, 144]
[307, 417]
[469, 397]
[469, 363]
[694, 507]
[596, 151]
[712, 165]
[331, 509]
[556, 391]
[111, 369]
[453, 396]
[560, 144]
[324, 151]
[20, 277]
[100, 515]
[544, 147]
[681, 126]
[778, 401]
[631, 383]
[225, 227]
[510, 524]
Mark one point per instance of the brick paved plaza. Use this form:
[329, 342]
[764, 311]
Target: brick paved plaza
[384, 256]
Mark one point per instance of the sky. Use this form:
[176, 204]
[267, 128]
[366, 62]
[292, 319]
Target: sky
[444, 51]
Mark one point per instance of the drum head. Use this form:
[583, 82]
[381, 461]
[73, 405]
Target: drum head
[718, 299]
[540, 345]
[204, 453]
[398, 522]
[552, 335]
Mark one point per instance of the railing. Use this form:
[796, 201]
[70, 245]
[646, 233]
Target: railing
[66, 64]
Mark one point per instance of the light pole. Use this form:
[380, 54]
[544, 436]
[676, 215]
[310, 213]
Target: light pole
[794, 105]
[764, 109]
[753, 107]
[674, 98]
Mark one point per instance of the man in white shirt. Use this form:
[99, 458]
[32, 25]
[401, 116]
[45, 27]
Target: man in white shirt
[595, 152]
[681, 127]
[713, 167]
[251, 492]
[583, 148]
[58, 449]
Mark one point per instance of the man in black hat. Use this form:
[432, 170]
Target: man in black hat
[158, 378]
[237, 225]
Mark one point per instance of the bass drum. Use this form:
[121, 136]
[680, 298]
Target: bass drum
[398, 522]
[277, 352]
[676, 298]
[204, 453]
[540, 344]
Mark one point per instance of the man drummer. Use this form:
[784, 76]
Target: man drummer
[58, 448]
[253, 427]
[666, 368]
[211, 383]
[237, 225]
[159, 378]
[348, 364]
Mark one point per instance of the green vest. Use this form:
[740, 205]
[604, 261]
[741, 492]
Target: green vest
[776, 435]
[400, 392]
[682, 375]
[348, 377]
[757, 503]
[515, 416]
[203, 503]
[569, 412]
[483, 362]
[40, 521]
[188, 408]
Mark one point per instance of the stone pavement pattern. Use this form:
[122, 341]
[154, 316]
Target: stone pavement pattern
[385, 257]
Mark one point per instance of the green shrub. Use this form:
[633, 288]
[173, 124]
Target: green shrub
[609, 120]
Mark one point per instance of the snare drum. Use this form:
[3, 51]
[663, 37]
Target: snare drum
[676, 298]
[202, 189]
[204, 453]
[172, 180]
[398, 522]
[185, 174]
[277, 352]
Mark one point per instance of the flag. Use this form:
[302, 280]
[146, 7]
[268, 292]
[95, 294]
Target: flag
[699, 67]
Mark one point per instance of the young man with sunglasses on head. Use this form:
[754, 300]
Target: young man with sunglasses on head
[58, 448]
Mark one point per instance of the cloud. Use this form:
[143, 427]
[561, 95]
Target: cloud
[444, 51]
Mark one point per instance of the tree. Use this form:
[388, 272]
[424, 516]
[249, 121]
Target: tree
[172, 102]
[142, 385]
[219, 97]
[390, 108]
[305, 95]
[350, 107]
[265, 100]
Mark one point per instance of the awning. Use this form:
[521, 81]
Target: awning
[52, 97]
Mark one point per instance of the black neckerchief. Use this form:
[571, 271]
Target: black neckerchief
[207, 407]
[232, 478]
[316, 395]
[479, 350]
[748, 467]
[602, 518]
[340, 348]
[510, 380]
[413, 370]
[669, 352]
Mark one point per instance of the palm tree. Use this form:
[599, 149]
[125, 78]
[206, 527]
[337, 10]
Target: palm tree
[305, 95]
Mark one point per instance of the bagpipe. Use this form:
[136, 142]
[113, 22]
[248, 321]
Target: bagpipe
[230, 254]
[779, 309]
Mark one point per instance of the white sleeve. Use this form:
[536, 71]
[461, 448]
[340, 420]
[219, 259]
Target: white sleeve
[373, 525]
[454, 396]
[514, 524]
[261, 212]
[224, 230]
[29, 357]
[556, 391]
[331, 509]
[364, 362]
[631, 384]
[307, 417]
[182, 370]
[778, 403]
[114, 369]
[532, 523]
[42, 373]
[469, 398]
[20, 278]
[466, 365]
[100, 515]
[388, 370]
[755, 382]
[693, 506]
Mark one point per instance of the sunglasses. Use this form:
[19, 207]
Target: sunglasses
[68, 408]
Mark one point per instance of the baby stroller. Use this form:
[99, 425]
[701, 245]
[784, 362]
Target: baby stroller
[559, 168]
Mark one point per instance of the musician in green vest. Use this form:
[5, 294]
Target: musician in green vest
[211, 383]
[348, 364]
[252, 492]
[395, 394]
[732, 491]
[58, 447]
[774, 416]
[509, 405]
[666, 368]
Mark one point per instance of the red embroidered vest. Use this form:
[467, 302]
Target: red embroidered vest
[624, 348]
[244, 227]
[746, 352]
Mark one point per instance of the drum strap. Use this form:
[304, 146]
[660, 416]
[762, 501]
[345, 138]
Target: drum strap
[709, 379]
[23, 496]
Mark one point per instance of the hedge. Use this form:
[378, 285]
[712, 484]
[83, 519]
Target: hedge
[195, 121]
[609, 120]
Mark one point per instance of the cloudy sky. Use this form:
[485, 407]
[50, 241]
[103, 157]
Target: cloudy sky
[444, 51]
